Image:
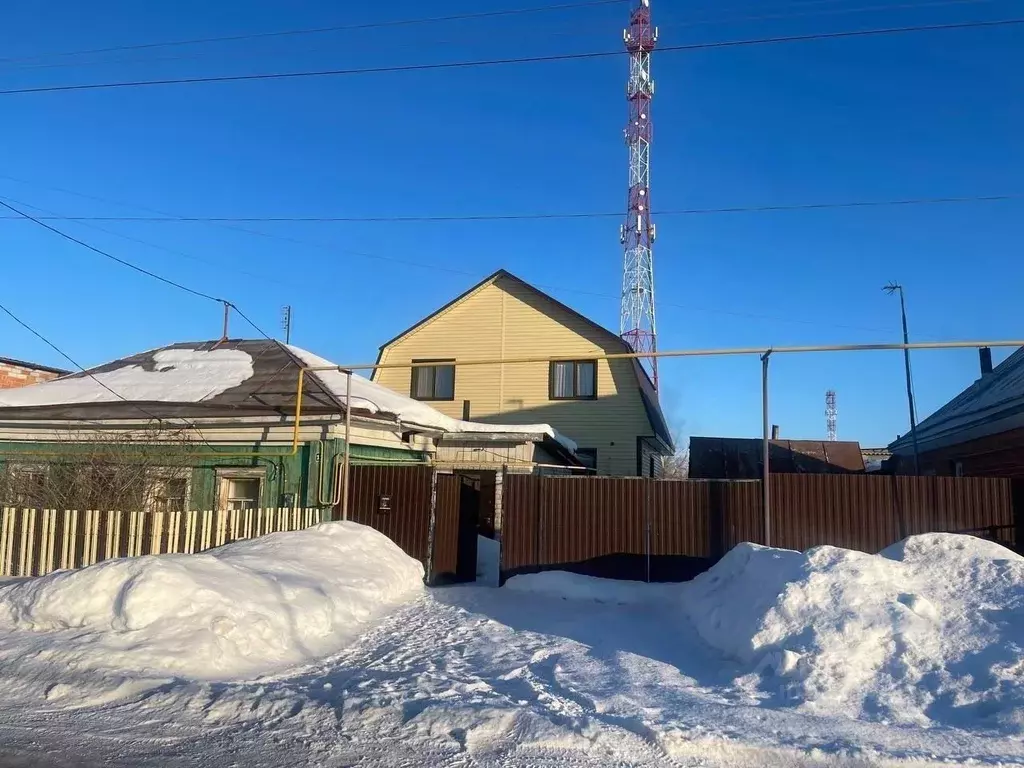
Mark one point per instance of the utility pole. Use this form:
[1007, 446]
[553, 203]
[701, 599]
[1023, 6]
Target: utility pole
[286, 323]
[890, 289]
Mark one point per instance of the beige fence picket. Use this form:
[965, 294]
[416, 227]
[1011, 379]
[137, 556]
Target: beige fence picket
[35, 542]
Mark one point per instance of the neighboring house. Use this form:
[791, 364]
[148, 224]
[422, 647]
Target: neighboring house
[980, 432]
[608, 407]
[18, 373]
[737, 458]
[207, 425]
[875, 458]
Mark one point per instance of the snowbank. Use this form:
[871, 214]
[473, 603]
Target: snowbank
[929, 631]
[573, 586]
[488, 562]
[243, 610]
[178, 376]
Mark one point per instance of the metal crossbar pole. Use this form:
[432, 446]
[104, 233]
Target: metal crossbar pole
[766, 491]
[691, 353]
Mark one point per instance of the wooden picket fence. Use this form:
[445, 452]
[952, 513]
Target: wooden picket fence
[34, 542]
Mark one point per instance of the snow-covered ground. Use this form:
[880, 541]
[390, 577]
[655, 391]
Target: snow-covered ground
[771, 659]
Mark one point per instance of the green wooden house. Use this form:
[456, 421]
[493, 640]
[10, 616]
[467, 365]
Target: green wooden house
[226, 425]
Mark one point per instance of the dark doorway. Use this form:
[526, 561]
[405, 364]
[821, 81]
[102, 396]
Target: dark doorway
[469, 523]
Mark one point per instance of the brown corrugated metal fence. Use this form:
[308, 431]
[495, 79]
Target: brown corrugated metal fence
[668, 529]
[400, 502]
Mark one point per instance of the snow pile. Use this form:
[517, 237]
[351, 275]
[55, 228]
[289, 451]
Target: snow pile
[488, 562]
[178, 376]
[243, 610]
[373, 398]
[929, 631]
[573, 586]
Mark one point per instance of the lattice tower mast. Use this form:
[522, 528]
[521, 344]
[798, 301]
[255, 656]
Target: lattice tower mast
[830, 414]
[637, 322]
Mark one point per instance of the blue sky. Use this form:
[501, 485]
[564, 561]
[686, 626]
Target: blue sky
[905, 116]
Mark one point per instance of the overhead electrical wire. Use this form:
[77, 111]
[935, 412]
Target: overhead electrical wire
[71, 360]
[390, 259]
[547, 33]
[399, 219]
[132, 266]
[320, 30]
[466, 64]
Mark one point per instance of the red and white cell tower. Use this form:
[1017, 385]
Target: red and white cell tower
[636, 322]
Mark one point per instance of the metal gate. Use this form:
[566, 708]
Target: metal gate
[415, 507]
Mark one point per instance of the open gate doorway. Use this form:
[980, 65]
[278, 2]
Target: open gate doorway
[476, 519]
[435, 516]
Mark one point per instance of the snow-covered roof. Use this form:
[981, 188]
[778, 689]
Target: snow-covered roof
[247, 377]
[176, 376]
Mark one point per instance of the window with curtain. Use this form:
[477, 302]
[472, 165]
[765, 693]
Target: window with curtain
[573, 380]
[433, 382]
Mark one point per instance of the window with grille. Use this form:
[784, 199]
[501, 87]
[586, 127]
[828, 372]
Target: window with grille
[170, 494]
[242, 493]
[573, 380]
[433, 382]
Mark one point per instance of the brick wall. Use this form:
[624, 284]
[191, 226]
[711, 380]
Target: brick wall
[20, 376]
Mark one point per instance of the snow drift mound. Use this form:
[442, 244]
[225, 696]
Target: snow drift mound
[245, 609]
[929, 631]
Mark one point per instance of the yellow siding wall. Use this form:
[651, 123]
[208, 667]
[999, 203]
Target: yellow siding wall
[506, 319]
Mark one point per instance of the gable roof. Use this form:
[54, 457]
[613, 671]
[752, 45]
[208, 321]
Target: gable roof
[741, 457]
[986, 407]
[235, 378]
[647, 392]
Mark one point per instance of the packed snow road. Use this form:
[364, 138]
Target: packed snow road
[473, 676]
[322, 647]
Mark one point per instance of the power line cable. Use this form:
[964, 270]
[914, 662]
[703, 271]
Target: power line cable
[466, 64]
[576, 31]
[399, 219]
[110, 256]
[321, 30]
[71, 360]
[438, 268]
[132, 266]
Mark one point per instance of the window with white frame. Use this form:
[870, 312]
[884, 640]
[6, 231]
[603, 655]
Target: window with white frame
[240, 489]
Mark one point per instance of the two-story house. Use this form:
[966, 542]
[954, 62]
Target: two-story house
[608, 407]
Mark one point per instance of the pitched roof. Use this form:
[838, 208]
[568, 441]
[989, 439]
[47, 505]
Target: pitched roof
[647, 392]
[740, 457]
[984, 408]
[235, 377]
[32, 366]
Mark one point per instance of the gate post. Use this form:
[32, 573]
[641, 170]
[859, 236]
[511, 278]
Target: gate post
[1017, 502]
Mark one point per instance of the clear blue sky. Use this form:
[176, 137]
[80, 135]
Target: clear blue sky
[903, 116]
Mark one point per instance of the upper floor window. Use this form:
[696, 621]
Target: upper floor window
[434, 382]
[574, 380]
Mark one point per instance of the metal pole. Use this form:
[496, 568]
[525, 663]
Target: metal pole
[227, 318]
[890, 289]
[910, 386]
[766, 491]
[348, 434]
[685, 353]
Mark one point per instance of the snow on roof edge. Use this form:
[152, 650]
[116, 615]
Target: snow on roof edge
[371, 396]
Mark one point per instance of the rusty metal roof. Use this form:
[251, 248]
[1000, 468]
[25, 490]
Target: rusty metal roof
[741, 457]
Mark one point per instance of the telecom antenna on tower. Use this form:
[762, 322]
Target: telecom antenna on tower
[636, 321]
[830, 414]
